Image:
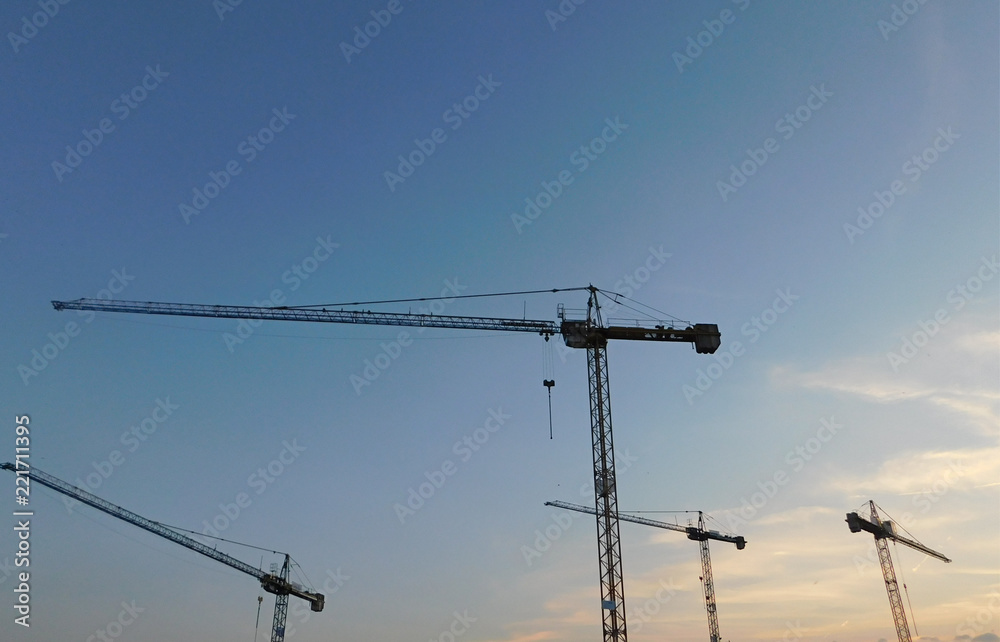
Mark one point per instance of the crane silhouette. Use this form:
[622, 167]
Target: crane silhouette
[884, 532]
[276, 583]
[588, 333]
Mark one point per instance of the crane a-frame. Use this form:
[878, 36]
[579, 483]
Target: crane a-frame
[277, 584]
[697, 533]
[885, 530]
[588, 333]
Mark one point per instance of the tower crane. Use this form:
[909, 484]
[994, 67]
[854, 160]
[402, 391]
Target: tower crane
[278, 584]
[588, 333]
[885, 530]
[697, 533]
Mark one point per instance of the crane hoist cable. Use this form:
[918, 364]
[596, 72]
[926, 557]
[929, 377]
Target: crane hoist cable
[589, 333]
[277, 584]
[256, 627]
[697, 533]
[906, 589]
[548, 376]
[895, 547]
[884, 531]
[221, 539]
[614, 296]
[428, 298]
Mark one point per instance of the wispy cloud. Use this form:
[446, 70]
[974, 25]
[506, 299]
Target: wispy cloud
[956, 372]
[915, 473]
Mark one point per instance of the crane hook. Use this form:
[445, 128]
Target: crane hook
[549, 383]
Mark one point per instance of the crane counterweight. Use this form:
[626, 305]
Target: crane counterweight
[697, 533]
[589, 333]
[276, 584]
[885, 531]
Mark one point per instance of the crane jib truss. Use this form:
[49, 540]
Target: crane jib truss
[270, 582]
[885, 530]
[697, 533]
[589, 334]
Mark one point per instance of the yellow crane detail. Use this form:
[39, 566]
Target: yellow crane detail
[884, 532]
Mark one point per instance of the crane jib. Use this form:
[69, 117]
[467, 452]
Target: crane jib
[589, 334]
[886, 530]
[577, 334]
[694, 533]
[364, 317]
[269, 582]
[581, 334]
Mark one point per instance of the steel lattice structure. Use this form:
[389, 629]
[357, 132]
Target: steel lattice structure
[697, 533]
[605, 491]
[708, 584]
[276, 584]
[589, 333]
[885, 530]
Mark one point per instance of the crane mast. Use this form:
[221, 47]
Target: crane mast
[708, 584]
[884, 531]
[606, 494]
[276, 584]
[588, 333]
[280, 607]
[699, 534]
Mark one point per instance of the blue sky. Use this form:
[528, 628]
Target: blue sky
[818, 179]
